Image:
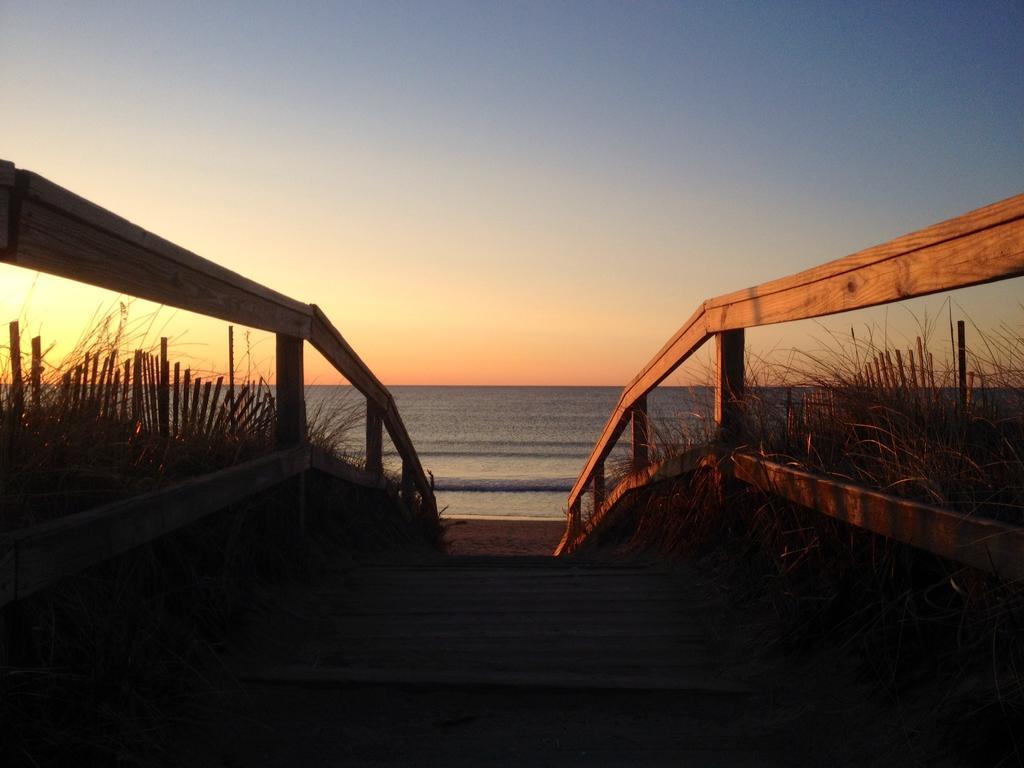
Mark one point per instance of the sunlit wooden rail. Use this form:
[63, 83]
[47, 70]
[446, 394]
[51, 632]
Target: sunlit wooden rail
[45, 227]
[981, 246]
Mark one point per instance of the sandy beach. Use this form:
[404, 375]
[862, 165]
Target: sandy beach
[473, 536]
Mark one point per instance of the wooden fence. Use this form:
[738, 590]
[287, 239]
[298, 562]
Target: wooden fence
[979, 247]
[47, 228]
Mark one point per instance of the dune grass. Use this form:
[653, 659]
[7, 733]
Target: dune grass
[102, 667]
[941, 640]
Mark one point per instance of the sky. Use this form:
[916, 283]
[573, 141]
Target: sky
[511, 193]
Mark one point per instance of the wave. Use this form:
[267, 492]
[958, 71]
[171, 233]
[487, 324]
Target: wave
[505, 485]
[426, 454]
[497, 449]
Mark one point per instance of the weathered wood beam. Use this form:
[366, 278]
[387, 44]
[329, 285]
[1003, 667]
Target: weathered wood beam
[47, 552]
[329, 342]
[979, 247]
[52, 241]
[69, 236]
[983, 543]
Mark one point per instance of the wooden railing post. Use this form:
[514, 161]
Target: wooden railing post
[291, 407]
[599, 490]
[374, 437]
[641, 434]
[729, 347]
[408, 483]
[291, 411]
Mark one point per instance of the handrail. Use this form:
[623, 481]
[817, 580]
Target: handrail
[47, 228]
[983, 543]
[981, 246]
[39, 555]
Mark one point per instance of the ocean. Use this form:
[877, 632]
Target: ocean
[507, 451]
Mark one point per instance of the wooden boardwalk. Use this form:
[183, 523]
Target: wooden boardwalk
[500, 621]
[533, 661]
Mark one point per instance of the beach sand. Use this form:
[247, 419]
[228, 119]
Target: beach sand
[502, 537]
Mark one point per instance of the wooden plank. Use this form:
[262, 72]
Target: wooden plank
[291, 401]
[729, 349]
[973, 540]
[324, 462]
[329, 342]
[292, 315]
[54, 242]
[984, 256]
[599, 679]
[50, 551]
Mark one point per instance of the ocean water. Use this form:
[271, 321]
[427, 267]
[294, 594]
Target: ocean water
[508, 451]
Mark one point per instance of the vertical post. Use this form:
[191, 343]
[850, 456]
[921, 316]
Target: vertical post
[575, 519]
[408, 487]
[961, 349]
[374, 438]
[641, 434]
[599, 490]
[291, 408]
[164, 391]
[729, 382]
[37, 370]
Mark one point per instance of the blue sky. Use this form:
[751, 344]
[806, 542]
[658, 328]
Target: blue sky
[500, 171]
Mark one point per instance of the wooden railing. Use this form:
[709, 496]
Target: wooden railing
[47, 228]
[978, 247]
